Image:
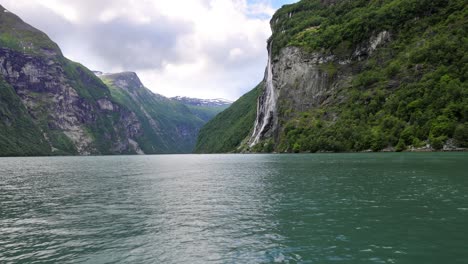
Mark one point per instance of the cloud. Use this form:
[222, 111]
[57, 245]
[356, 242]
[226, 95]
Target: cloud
[128, 45]
[198, 48]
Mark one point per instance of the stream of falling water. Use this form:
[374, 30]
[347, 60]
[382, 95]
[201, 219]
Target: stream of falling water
[266, 109]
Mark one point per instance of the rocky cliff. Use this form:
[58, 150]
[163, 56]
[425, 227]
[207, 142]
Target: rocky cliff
[297, 81]
[53, 106]
[169, 126]
[359, 75]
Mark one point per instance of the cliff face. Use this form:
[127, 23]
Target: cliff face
[297, 81]
[168, 126]
[359, 75]
[53, 106]
[72, 109]
[70, 121]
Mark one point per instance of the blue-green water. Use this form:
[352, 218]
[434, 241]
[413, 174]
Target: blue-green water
[330, 208]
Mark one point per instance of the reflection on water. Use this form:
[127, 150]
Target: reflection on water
[349, 208]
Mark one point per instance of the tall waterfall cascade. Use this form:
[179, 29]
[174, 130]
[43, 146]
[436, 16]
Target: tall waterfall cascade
[266, 105]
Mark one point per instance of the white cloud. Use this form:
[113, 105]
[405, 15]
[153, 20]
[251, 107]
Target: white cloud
[198, 48]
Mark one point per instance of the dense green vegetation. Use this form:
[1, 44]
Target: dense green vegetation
[337, 28]
[176, 125]
[206, 113]
[227, 130]
[19, 36]
[19, 135]
[84, 81]
[108, 118]
[25, 135]
[411, 92]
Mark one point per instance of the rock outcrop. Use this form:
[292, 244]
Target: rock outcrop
[70, 111]
[168, 126]
[298, 81]
[359, 76]
[48, 93]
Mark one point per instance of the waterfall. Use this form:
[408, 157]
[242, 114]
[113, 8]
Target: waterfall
[266, 106]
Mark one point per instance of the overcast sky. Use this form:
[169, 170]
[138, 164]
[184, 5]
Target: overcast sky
[196, 48]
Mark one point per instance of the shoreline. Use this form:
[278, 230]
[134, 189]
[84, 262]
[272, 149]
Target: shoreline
[250, 153]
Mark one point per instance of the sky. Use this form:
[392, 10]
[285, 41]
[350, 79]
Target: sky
[195, 48]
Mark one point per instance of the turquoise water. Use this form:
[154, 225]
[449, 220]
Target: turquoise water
[318, 208]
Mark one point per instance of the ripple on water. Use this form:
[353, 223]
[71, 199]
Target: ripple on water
[349, 208]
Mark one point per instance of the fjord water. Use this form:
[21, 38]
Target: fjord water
[318, 208]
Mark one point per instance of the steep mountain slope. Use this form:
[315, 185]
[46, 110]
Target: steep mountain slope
[205, 109]
[53, 106]
[169, 126]
[68, 104]
[229, 128]
[358, 75]
[19, 135]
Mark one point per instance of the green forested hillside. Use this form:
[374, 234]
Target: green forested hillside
[206, 113]
[229, 128]
[205, 109]
[19, 135]
[50, 105]
[169, 126]
[410, 92]
[19, 36]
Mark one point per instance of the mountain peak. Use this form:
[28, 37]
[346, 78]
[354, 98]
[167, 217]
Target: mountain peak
[15, 34]
[126, 80]
[202, 102]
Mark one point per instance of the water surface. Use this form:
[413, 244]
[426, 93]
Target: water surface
[318, 208]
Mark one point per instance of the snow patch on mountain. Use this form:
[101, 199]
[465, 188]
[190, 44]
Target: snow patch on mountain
[202, 102]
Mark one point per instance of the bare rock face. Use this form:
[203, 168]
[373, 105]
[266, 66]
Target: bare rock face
[73, 110]
[300, 81]
[126, 80]
[105, 104]
[168, 124]
[42, 87]
[297, 81]
[366, 49]
[50, 98]
[303, 79]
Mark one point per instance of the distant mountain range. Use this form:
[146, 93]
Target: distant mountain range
[50, 105]
[202, 102]
[205, 109]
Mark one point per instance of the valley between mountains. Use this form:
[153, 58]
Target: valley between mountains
[50, 105]
[341, 76]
